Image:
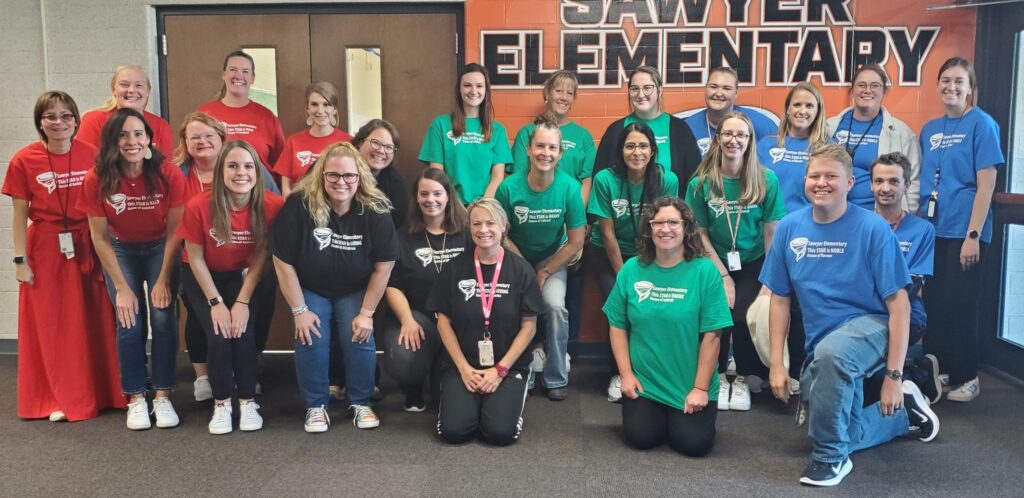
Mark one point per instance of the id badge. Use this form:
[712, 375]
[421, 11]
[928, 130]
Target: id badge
[67, 244]
[734, 261]
[931, 207]
[486, 348]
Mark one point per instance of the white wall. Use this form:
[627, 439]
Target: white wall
[74, 46]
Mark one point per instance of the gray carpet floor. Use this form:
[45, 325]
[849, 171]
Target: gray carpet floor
[572, 448]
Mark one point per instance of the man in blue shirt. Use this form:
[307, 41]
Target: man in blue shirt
[720, 99]
[844, 264]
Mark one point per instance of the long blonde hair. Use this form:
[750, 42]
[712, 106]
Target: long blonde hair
[220, 205]
[314, 194]
[751, 174]
[817, 136]
[111, 103]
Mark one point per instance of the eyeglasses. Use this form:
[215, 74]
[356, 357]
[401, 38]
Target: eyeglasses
[647, 89]
[674, 224]
[728, 135]
[378, 145]
[873, 86]
[333, 177]
[66, 117]
[208, 138]
[630, 147]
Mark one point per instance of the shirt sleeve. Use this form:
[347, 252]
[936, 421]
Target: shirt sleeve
[500, 151]
[600, 198]
[284, 235]
[382, 232]
[774, 273]
[283, 166]
[191, 226]
[432, 150]
[987, 152]
[175, 185]
[520, 160]
[277, 144]
[922, 261]
[714, 306]
[502, 196]
[164, 137]
[15, 183]
[615, 305]
[698, 204]
[575, 216]
[589, 156]
[671, 182]
[773, 208]
[531, 302]
[887, 265]
[89, 201]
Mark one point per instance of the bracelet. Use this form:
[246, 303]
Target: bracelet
[298, 310]
[699, 389]
[241, 302]
[726, 274]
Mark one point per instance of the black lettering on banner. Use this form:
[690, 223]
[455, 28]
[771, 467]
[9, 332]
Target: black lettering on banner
[683, 50]
[695, 11]
[864, 46]
[817, 55]
[638, 10]
[911, 52]
[495, 49]
[779, 12]
[621, 58]
[739, 56]
[778, 55]
[736, 12]
[582, 13]
[583, 62]
[534, 60]
[838, 11]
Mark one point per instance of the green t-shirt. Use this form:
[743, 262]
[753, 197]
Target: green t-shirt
[710, 213]
[664, 311]
[659, 126]
[467, 159]
[578, 151]
[538, 220]
[610, 199]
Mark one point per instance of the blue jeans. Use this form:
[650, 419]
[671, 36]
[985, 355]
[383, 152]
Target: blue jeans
[556, 329]
[833, 385]
[141, 262]
[311, 361]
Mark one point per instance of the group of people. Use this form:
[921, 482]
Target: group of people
[463, 279]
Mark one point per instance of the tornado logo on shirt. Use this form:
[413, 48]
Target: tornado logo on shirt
[48, 180]
[935, 141]
[620, 206]
[777, 153]
[704, 145]
[522, 213]
[717, 206]
[799, 247]
[842, 136]
[119, 202]
[323, 237]
[213, 235]
[425, 255]
[305, 158]
[643, 290]
[455, 140]
[468, 288]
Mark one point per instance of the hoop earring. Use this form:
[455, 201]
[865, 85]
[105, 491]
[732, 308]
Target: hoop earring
[309, 120]
[149, 153]
[334, 121]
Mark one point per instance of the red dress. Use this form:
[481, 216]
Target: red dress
[67, 357]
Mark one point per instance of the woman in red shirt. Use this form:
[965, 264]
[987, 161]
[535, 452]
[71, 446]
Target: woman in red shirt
[130, 88]
[134, 199]
[66, 355]
[223, 273]
[302, 148]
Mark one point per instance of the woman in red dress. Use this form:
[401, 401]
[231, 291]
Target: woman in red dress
[67, 361]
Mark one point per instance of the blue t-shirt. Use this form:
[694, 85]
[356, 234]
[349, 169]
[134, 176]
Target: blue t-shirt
[917, 241]
[861, 137]
[702, 131]
[839, 271]
[963, 146]
[789, 163]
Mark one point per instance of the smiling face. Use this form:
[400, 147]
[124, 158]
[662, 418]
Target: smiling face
[867, 92]
[132, 142]
[560, 99]
[431, 197]
[320, 110]
[887, 184]
[239, 171]
[131, 89]
[473, 89]
[644, 94]
[340, 192]
[734, 138]
[202, 141]
[803, 107]
[486, 230]
[720, 92]
[954, 87]
[58, 123]
[238, 76]
[666, 237]
[826, 183]
[377, 156]
[636, 151]
[545, 149]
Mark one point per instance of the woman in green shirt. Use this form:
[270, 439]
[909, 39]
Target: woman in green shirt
[617, 201]
[468, 144]
[665, 314]
[737, 204]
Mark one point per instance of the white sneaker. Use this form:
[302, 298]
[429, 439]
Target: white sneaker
[723, 393]
[364, 417]
[615, 389]
[740, 399]
[166, 417]
[249, 419]
[58, 416]
[966, 392]
[568, 363]
[944, 381]
[539, 357]
[138, 415]
[220, 423]
[317, 420]
[202, 389]
[794, 386]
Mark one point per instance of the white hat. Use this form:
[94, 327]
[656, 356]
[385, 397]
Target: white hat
[757, 322]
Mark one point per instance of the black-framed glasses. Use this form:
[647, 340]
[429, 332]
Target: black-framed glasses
[728, 135]
[378, 145]
[630, 147]
[674, 223]
[647, 89]
[333, 177]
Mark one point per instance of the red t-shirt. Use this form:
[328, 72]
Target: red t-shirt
[132, 214]
[51, 185]
[193, 187]
[92, 128]
[197, 227]
[301, 151]
[253, 123]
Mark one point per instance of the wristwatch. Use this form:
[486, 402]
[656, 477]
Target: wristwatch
[894, 374]
[214, 302]
[502, 371]
[19, 260]
[973, 235]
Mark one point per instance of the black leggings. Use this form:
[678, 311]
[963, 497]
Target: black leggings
[747, 360]
[649, 424]
[410, 368]
[597, 260]
[951, 301]
[498, 415]
[195, 336]
[231, 362]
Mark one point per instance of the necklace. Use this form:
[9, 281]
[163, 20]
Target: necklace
[434, 254]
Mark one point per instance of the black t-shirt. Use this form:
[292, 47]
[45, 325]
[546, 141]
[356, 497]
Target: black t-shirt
[417, 267]
[456, 295]
[390, 181]
[336, 260]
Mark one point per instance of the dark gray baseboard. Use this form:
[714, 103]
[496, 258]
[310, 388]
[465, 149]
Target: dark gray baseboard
[8, 346]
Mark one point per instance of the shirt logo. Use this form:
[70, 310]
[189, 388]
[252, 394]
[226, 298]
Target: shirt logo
[717, 206]
[119, 202]
[643, 290]
[799, 247]
[48, 180]
[704, 145]
[470, 137]
[777, 153]
[213, 235]
[425, 255]
[305, 157]
[323, 237]
[468, 288]
[620, 206]
[522, 213]
[842, 136]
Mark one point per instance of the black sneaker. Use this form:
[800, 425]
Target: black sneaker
[920, 414]
[930, 384]
[558, 393]
[415, 403]
[826, 474]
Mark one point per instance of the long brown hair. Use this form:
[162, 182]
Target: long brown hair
[486, 113]
[693, 247]
[109, 160]
[456, 218]
[220, 204]
[751, 174]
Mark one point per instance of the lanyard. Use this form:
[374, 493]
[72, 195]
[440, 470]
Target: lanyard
[487, 302]
[739, 214]
[942, 150]
[62, 200]
[849, 133]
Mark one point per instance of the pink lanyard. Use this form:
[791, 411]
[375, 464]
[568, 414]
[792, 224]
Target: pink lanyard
[487, 302]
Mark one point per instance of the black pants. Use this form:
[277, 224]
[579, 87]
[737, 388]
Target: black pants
[498, 415]
[796, 338]
[410, 368]
[597, 260]
[195, 336]
[951, 301]
[747, 360]
[649, 424]
[231, 362]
